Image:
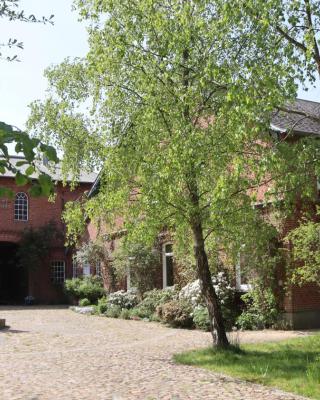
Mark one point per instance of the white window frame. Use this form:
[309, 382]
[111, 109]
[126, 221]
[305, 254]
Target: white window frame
[86, 267]
[164, 264]
[241, 287]
[18, 207]
[318, 187]
[129, 287]
[58, 278]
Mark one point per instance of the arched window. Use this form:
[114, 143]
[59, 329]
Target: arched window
[21, 207]
[167, 265]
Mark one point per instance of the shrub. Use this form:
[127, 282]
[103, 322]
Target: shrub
[152, 299]
[176, 313]
[113, 312]
[191, 293]
[84, 302]
[201, 318]
[123, 299]
[261, 309]
[102, 305]
[125, 314]
[90, 287]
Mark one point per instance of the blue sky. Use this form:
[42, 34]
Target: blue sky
[44, 45]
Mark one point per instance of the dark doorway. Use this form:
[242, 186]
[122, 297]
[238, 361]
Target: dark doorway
[13, 279]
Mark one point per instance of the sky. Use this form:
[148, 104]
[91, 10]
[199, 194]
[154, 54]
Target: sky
[45, 45]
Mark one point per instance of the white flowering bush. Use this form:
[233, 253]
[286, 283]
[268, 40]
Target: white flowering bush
[191, 293]
[123, 299]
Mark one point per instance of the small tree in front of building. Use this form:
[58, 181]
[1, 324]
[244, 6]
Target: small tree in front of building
[35, 245]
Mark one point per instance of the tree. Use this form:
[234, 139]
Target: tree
[30, 147]
[179, 100]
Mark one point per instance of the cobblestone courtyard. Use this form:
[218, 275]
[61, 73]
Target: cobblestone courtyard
[55, 354]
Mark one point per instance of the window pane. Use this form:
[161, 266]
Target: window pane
[169, 266]
[168, 248]
[57, 271]
[86, 270]
[21, 207]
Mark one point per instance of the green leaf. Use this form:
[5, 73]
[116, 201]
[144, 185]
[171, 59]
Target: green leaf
[50, 152]
[46, 184]
[30, 170]
[5, 192]
[35, 190]
[21, 179]
[20, 163]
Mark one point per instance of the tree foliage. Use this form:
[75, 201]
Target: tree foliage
[180, 96]
[305, 256]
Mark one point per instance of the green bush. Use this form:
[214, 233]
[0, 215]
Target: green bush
[89, 287]
[84, 302]
[113, 312]
[176, 313]
[201, 318]
[261, 309]
[125, 314]
[102, 305]
[152, 299]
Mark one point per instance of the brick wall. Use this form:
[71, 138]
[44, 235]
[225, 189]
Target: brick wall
[41, 212]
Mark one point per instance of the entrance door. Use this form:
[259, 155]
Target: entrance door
[13, 279]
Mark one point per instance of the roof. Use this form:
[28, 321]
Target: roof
[56, 173]
[300, 116]
[95, 187]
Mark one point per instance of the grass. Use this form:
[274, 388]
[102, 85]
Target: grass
[292, 365]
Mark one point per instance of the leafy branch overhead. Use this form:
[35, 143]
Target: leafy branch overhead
[25, 170]
[9, 9]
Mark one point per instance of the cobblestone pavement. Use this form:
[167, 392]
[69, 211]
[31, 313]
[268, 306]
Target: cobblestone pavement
[55, 354]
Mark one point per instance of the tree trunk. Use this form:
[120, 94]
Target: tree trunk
[216, 321]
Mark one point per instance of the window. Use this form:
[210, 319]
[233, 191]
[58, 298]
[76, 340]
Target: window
[129, 277]
[242, 283]
[86, 271]
[21, 207]
[57, 271]
[318, 188]
[98, 268]
[75, 269]
[167, 265]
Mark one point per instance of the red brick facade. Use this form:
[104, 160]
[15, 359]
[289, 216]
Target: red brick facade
[40, 213]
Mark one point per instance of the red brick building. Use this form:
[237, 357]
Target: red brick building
[300, 305]
[23, 212]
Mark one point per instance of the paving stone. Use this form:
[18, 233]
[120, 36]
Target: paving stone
[56, 354]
